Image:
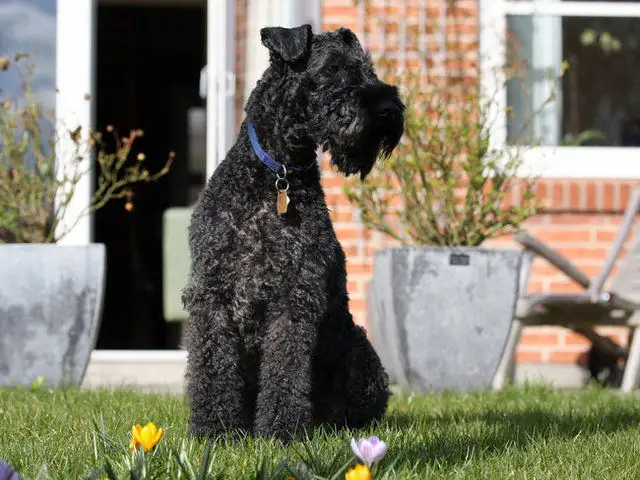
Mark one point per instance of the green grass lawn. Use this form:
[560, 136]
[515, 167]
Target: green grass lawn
[523, 433]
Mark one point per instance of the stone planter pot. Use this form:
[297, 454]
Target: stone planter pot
[50, 309]
[439, 317]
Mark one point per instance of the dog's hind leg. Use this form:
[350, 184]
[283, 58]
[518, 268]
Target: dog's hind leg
[214, 381]
[367, 383]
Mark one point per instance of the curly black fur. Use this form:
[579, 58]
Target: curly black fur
[271, 344]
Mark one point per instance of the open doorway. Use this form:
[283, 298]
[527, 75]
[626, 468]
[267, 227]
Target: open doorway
[149, 57]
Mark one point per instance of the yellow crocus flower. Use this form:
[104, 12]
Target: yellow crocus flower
[359, 472]
[146, 437]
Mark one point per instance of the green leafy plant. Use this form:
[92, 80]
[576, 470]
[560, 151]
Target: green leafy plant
[443, 185]
[36, 187]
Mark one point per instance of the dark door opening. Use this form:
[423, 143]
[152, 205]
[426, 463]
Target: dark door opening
[148, 67]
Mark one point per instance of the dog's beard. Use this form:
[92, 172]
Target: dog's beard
[356, 147]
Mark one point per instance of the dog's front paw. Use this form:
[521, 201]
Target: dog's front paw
[284, 426]
[284, 435]
[205, 428]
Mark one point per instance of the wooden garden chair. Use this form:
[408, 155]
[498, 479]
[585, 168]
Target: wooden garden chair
[620, 305]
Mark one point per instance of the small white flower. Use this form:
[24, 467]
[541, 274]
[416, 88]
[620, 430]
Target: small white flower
[369, 450]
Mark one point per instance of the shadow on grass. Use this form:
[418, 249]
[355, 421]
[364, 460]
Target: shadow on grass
[451, 438]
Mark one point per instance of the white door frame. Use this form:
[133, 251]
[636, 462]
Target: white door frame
[549, 162]
[114, 366]
[220, 80]
[75, 106]
[118, 367]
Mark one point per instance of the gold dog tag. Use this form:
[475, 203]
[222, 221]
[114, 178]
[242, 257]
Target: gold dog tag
[283, 202]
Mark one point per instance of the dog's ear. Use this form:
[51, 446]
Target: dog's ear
[291, 44]
[347, 36]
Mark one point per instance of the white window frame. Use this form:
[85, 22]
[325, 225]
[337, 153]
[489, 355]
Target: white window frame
[549, 162]
[75, 105]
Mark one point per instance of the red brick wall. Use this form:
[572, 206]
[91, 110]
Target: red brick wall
[582, 218]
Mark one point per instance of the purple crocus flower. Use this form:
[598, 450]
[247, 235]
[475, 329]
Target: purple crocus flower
[6, 473]
[369, 450]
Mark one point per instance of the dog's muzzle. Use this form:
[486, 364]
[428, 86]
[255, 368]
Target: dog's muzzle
[388, 110]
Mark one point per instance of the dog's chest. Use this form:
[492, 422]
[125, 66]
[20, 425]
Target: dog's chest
[272, 250]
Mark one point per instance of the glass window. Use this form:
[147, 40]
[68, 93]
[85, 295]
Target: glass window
[579, 80]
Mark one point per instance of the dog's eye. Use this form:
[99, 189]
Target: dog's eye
[331, 70]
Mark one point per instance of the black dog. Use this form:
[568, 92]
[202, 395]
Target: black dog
[271, 343]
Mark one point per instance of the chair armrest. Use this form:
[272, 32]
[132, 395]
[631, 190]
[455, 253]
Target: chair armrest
[614, 252]
[554, 258]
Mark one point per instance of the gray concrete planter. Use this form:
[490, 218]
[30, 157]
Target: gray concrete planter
[50, 309]
[439, 317]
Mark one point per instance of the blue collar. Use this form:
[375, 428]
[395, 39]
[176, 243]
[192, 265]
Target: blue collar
[264, 157]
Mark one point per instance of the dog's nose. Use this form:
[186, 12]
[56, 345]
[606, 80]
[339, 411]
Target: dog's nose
[387, 108]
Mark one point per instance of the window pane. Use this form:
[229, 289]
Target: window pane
[29, 27]
[596, 101]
